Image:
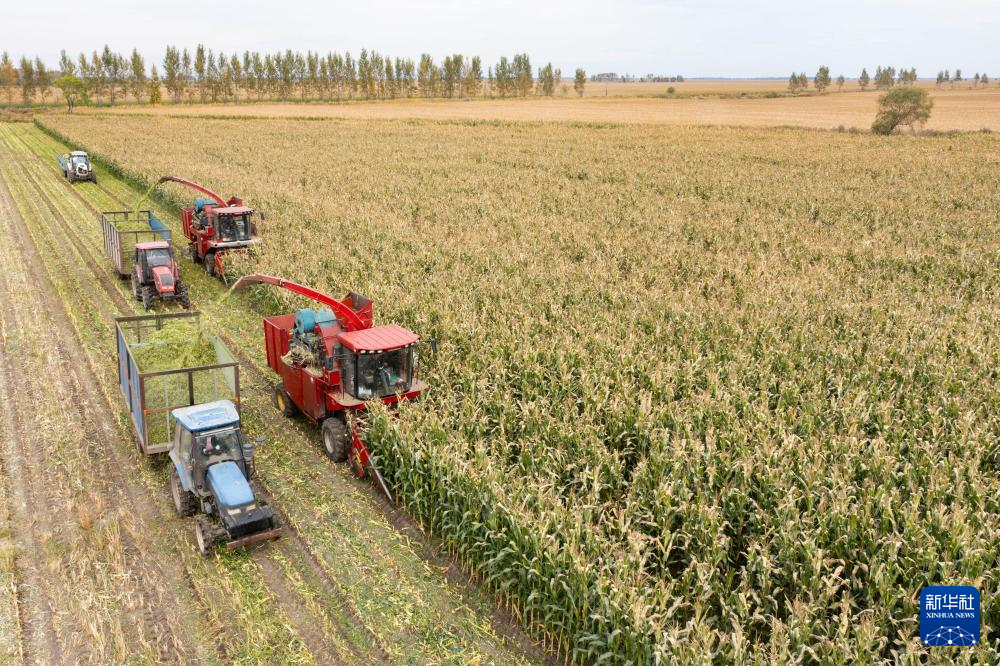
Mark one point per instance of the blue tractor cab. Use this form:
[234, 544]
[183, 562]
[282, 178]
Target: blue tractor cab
[211, 472]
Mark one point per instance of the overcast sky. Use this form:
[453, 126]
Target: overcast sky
[733, 38]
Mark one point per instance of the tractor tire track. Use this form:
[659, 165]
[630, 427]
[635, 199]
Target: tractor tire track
[314, 639]
[39, 643]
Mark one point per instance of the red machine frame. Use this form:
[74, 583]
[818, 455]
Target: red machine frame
[320, 397]
[202, 239]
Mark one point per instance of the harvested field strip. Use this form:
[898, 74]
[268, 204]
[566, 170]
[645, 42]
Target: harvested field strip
[89, 547]
[105, 322]
[209, 579]
[406, 605]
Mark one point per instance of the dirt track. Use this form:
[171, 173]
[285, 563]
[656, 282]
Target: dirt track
[58, 305]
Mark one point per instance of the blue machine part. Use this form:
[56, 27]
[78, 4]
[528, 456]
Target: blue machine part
[161, 229]
[207, 416]
[307, 319]
[201, 202]
[229, 485]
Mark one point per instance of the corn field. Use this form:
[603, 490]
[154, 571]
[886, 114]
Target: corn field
[717, 394]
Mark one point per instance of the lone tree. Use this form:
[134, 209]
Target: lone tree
[155, 96]
[579, 81]
[902, 106]
[822, 79]
[73, 89]
[864, 79]
[840, 82]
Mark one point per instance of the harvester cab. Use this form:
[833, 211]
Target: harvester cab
[76, 166]
[332, 362]
[212, 465]
[215, 226]
[156, 275]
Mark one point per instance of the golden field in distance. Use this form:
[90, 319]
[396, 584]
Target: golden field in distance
[695, 103]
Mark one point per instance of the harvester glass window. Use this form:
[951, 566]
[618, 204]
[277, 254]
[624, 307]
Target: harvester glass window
[384, 373]
[234, 228]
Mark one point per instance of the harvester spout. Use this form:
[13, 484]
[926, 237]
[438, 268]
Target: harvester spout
[349, 318]
[201, 188]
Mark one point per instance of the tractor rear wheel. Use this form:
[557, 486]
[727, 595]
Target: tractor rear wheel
[147, 297]
[282, 402]
[184, 503]
[208, 261]
[135, 289]
[336, 439]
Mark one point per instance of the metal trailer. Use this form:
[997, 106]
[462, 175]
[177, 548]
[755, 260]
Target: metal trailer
[151, 396]
[115, 239]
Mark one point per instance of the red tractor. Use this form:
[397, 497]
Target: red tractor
[332, 361]
[155, 275]
[215, 226]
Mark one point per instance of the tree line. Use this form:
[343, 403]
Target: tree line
[946, 77]
[884, 79]
[202, 75]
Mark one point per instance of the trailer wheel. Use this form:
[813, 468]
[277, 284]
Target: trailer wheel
[282, 402]
[336, 439]
[208, 261]
[147, 297]
[184, 503]
[204, 537]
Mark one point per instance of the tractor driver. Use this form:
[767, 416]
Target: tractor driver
[211, 448]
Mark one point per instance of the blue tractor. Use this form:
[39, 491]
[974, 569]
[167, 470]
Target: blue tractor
[211, 472]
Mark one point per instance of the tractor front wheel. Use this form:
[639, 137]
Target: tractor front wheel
[204, 537]
[336, 439]
[184, 503]
[208, 261]
[282, 402]
[147, 297]
[183, 297]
